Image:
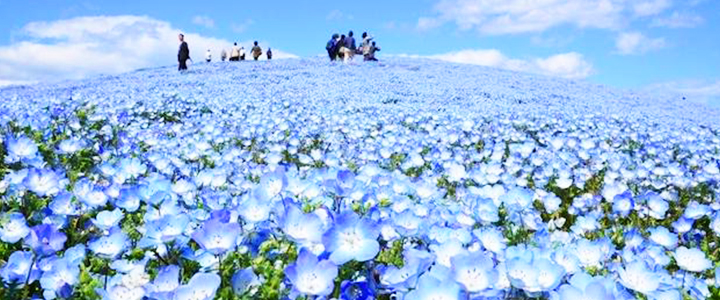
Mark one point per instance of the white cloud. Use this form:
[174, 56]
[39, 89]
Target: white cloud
[629, 43]
[702, 91]
[650, 7]
[242, 27]
[678, 20]
[338, 15]
[496, 17]
[204, 21]
[86, 46]
[568, 65]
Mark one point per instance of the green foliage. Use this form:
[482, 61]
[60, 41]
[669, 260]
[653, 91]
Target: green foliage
[392, 255]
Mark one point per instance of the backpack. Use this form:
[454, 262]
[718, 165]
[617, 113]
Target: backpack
[330, 45]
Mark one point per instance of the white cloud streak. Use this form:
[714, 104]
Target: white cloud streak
[87, 46]
[204, 21]
[632, 43]
[567, 65]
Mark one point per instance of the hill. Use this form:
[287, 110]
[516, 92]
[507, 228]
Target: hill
[409, 178]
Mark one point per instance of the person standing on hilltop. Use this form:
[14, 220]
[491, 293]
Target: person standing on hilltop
[235, 53]
[242, 53]
[256, 51]
[183, 53]
[208, 56]
[340, 48]
[269, 54]
[331, 45]
[349, 47]
[365, 46]
[223, 55]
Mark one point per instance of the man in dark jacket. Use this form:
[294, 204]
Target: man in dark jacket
[331, 47]
[269, 54]
[183, 53]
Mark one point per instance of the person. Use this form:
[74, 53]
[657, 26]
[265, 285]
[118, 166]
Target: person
[365, 46]
[208, 56]
[242, 53]
[330, 47]
[223, 55]
[235, 53]
[269, 54]
[339, 48]
[349, 47]
[183, 53]
[371, 53]
[256, 51]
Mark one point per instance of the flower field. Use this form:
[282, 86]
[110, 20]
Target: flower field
[300, 179]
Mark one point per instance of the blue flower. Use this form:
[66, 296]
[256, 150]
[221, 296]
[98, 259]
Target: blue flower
[45, 239]
[302, 228]
[20, 148]
[165, 283]
[255, 208]
[430, 288]
[108, 219]
[356, 290]
[309, 276]
[44, 182]
[217, 237]
[692, 259]
[638, 277]
[59, 279]
[582, 286]
[623, 204]
[663, 237]
[19, 266]
[110, 246]
[352, 238]
[202, 286]
[243, 280]
[474, 271]
[13, 227]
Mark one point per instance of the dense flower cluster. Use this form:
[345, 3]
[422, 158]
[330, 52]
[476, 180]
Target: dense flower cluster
[407, 180]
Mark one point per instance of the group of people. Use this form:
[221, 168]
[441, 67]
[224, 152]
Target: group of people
[236, 53]
[341, 47]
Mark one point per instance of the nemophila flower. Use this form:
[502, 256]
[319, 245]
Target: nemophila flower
[301, 227]
[663, 237]
[243, 280]
[517, 198]
[121, 292]
[657, 205]
[695, 210]
[351, 238]
[356, 290]
[75, 255]
[45, 239]
[20, 148]
[18, 267]
[310, 276]
[111, 245]
[202, 286]
[692, 259]
[256, 207]
[132, 167]
[589, 253]
[474, 271]
[582, 286]
[70, 146]
[64, 205]
[59, 279]
[217, 237]
[623, 204]
[416, 262]
[107, 219]
[165, 283]
[129, 199]
[431, 288]
[684, 225]
[13, 227]
[445, 251]
[638, 277]
[44, 182]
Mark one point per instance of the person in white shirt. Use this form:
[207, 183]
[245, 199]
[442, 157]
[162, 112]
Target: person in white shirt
[242, 53]
[208, 56]
[235, 53]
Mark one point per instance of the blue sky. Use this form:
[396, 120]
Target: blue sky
[649, 44]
